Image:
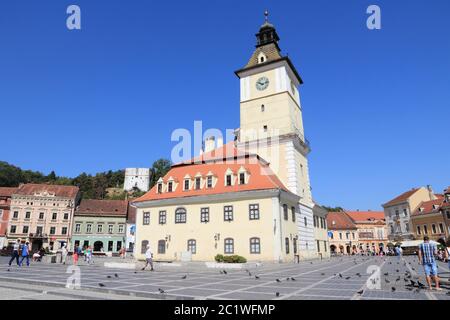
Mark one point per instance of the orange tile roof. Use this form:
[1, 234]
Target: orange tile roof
[339, 221]
[261, 178]
[226, 151]
[360, 216]
[102, 207]
[59, 191]
[428, 207]
[401, 198]
[7, 192]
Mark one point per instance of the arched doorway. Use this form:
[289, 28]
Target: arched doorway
[333, 248]
[98, 245]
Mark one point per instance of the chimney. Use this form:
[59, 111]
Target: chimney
[210, 144]
[431, 193]
[219, 142]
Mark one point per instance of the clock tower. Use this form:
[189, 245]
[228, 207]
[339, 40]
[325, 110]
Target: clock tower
[271, 124]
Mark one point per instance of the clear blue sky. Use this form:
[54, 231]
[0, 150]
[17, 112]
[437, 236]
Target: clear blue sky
[376, 103]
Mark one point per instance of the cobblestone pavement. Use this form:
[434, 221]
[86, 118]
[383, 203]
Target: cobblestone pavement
[337, 278]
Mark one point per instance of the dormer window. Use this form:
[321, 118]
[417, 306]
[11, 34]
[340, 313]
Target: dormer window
[186, 184]
[198, 182]
[265, 128]
[160, 187]
[242, 178]
[170, 186]
[228, 180]
[209, 182]
[262, 108]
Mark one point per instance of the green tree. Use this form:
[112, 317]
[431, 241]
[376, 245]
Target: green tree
[159, 169]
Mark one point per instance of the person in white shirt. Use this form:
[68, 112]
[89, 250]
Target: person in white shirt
[64, 253]
[148, 258]
[15, 252]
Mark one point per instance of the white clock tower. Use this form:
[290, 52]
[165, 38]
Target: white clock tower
[271, 124]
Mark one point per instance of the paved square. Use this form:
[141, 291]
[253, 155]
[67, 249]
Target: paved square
[336, 279]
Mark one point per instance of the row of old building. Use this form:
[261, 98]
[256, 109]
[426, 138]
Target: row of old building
[49, 216]
[409, 216]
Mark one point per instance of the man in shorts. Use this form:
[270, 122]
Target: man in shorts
[427, 253]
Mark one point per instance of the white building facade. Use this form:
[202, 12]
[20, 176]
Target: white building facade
[137, 178]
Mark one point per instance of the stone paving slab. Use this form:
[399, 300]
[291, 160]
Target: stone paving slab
[316, 280]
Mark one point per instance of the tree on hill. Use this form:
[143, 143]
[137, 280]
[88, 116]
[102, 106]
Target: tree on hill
[159, 169]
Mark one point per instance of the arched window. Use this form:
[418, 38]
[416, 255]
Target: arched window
[255, 245]
[192, 246]
[229, 246]
[144, 245]
[285, 212]
[180, 215]
[161, 246]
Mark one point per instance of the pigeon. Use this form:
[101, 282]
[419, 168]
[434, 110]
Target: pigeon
[311, 262]
[413, 283]
[397, 270]
[250, 274]
[184, 277]
[393, 289]
[421, 285]
[288, 278]
[413, 268]
[161, 290]
[135, 272]
[346, 278]
[116, 275]
[277, 294]
[358, 274]
[322, 274]
[101, 284]
[277, 280]
[387, 281]
[9, 270]
[340, 275]
[360, 292]
[225, 272]
[256, 277]
[109, 277]
[398, 279]
[292, 278]
[386, 274]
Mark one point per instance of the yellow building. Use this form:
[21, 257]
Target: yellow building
[372, 230]
[429, 219]
[343, 233]
[222, 206]
[271, 137]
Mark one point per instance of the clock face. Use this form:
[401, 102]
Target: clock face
[262, 83]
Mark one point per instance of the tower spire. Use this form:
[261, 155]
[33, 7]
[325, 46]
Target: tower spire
[267, 33]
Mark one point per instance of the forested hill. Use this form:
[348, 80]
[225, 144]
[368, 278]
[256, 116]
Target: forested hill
[91, 186]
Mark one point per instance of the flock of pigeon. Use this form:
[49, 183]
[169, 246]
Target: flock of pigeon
[409, 283]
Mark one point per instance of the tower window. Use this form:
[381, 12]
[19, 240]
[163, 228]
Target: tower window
[262, 108]
[262, 59]
[265, 128]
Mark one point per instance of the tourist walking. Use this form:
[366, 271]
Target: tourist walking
[25, 253]
[15, 252]
[89, 259]
[64, 253]
[148, 258]
[75, 255]
[427, 253]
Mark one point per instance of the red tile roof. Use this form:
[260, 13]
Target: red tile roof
[361, 216]
[30, 189]
[339, 221]
[7, 192]
[428, 207]
[102, 207]
[401, 198]
[226, 151]
[261, 176]
[131, 217]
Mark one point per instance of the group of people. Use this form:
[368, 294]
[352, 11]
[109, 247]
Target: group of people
[21, 252]
[86, 251]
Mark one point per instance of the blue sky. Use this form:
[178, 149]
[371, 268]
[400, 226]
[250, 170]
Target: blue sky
[375, 103]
